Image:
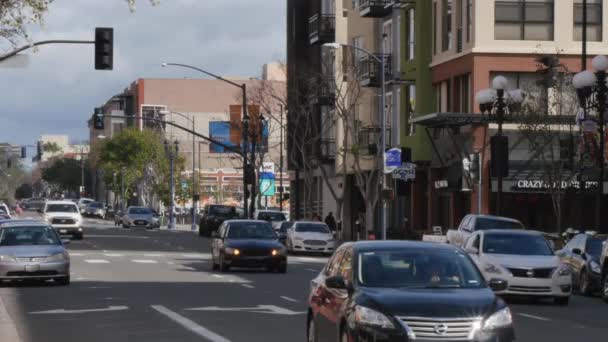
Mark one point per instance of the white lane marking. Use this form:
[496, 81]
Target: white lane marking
[248, 286]
[534, 317]
[170, 263]
[265, 309]
[144, 261]
[115, 255]
[289, 299]
[64, 311]
[217, 276]
[119, 236]
[187, 268]
[153, 255]
[96, 261]
[196, 256]
[76, 254]
[190, 325]
[312, 270]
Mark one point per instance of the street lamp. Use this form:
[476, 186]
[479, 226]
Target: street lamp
[498, 102]
[172, 154]
[194, 202]
[245, 132]
[592, 90]
[383, 213]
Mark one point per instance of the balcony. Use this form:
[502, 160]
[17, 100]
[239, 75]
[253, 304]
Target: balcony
[326, 150]
[375, 8]
[369, 70]
[369, 139]
[322, 28]
[325, 92]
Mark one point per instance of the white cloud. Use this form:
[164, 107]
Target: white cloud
[59, 88]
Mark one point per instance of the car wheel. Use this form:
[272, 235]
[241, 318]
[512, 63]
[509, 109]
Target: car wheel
[223, 267]
[125, 226]
[605, 288]
[583, 284]
[562, 301]
[282, 268]
[312, 331]
[63, 281]
[79, 236]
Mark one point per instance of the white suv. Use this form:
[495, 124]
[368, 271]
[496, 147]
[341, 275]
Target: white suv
[65, 217]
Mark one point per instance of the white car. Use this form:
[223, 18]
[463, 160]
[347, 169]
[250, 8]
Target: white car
[275, 217]
[83, 203]
[5, 210]
[312, 237]
[65, 217]
[525, 260]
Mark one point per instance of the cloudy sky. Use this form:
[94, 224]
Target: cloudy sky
[59, 88]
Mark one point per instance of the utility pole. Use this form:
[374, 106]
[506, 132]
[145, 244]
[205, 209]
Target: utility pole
[194, 200]
[281, 163]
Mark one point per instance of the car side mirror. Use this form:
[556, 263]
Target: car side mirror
[472, 250]
[65, 242]
[498, 284]
[336, 282]
[577, 251]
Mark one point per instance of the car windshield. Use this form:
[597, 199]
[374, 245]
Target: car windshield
[285, 226]
[418, 268]
[483, 223]
[516, 244]
[85, 201]
[594, 246]
[95, 205]
[32, 236]
[250, 230]
[312, 228]
[140, 211]
[61, 208]
[220, 210]
[271, 216]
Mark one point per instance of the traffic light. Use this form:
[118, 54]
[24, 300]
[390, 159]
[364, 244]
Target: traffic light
[98, 119]
[104, 48]
[23, 152]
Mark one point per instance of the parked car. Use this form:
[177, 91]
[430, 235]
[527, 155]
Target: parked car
[140, 217]
[247, 243]
[283, 229]
[604, 268]
[312, 237]
[109, 211]
[95, 209]
[213, 216]
[32, 250]
[83, 203]
[5, 209]
[275, 217]
[65, 217]
[473, 223]
[405, 291]
[525, 260]
[582, 254]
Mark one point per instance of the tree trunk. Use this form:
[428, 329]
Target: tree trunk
[369, 219]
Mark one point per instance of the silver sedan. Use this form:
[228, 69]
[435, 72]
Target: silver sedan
[32, 250]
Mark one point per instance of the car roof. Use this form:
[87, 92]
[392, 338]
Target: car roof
[499, 218]
[60, 202]
[240, 220]
[310, 222]
[512, 232]
[18, 223]
[363, 246]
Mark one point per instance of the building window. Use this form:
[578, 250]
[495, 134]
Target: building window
[469, 21]
[434, 28]
[463, 93]
[411, 33]
[446, 25]
[524, 20]
[411, 109]
[387, 38]
[594, 20]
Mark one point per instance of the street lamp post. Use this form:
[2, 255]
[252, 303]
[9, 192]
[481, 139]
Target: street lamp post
[381, 61]
[281, 163]
[499, 102]
[172, 153]
[245, 122]
[592, 92]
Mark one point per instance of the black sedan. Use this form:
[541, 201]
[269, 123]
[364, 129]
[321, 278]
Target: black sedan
[212, 217]
[247, 243]
[582, 254]
[405, 291]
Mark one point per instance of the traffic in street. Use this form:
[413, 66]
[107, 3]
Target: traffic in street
[158, 285]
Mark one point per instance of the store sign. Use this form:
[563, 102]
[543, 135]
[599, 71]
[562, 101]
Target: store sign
[542, 185]
[392, 160]
[405, 172]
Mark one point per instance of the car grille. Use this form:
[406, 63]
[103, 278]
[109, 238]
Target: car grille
[532, 273]
[35, 259]
[443, 329]
[62, 221]
[315, 242]
[256, 252]
[530, 289]
[141, 222]
[30, 274]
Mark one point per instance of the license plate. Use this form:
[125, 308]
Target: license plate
[32, 268]
[63, 231]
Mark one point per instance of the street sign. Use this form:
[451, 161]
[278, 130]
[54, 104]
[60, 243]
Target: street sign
[392, 160]
[267, 184]
[405, 172]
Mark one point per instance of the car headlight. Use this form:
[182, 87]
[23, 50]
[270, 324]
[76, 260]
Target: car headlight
[595, 267]
[232, 251]
[56, 257]
[368, 316]
[563, 270]
[489, 268]
[7, 258]
[499, 319]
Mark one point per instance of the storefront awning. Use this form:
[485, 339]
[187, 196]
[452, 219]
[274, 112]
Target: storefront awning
[447, 120]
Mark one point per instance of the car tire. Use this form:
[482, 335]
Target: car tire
[561, 301]
[282, 268]
[63, 281]
[584, 287]
[311, 334]
[222, 266]
[79, 236]
[125, 226]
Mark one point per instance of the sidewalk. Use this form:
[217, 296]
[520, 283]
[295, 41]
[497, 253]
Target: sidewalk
[8, 330]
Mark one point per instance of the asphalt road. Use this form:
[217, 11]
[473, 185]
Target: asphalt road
[136, 285]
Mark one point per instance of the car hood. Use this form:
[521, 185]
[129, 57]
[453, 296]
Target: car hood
[93, 209]
[66, 215]
[30, 251]
[523, 261]
[313, 236]
[447, 303]
[139, 217]
[253, 243]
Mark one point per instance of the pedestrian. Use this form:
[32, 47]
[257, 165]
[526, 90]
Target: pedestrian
[18, 210]
[330, 221]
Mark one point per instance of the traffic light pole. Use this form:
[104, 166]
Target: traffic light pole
[43, 42]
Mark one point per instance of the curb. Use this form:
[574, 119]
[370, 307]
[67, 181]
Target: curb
[8, 330]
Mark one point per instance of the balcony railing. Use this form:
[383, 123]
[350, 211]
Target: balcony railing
[369, 139]
[374, 8]
[322, 28]
[323, 151]
[325, 92]
[369, 70]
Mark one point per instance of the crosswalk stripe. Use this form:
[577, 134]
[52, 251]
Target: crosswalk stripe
[117, 255]
[143, 261]
[96, 261]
